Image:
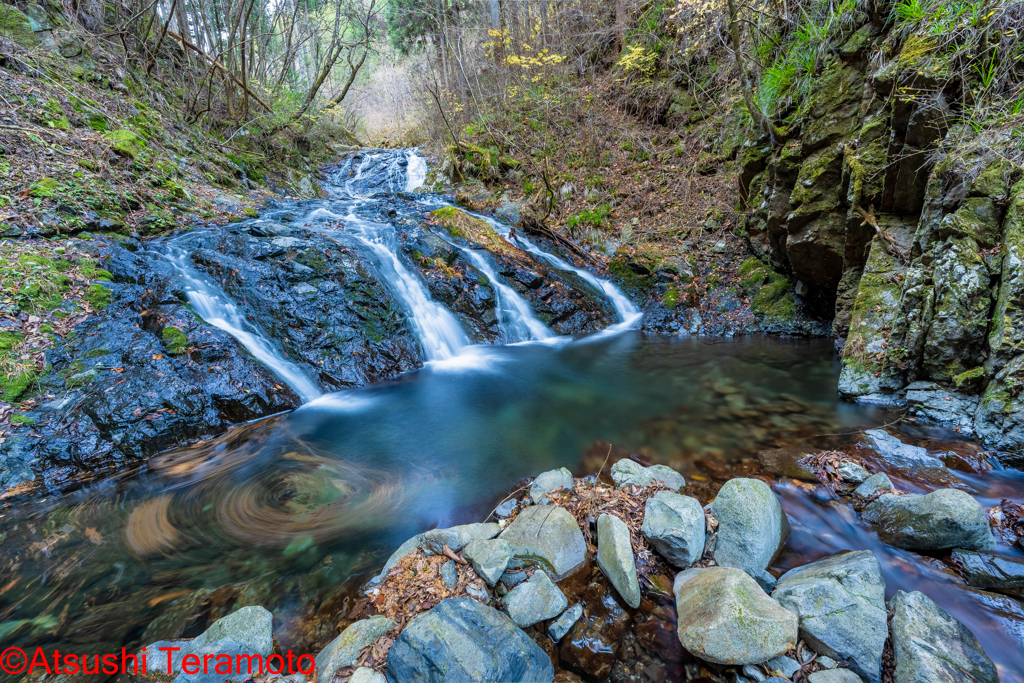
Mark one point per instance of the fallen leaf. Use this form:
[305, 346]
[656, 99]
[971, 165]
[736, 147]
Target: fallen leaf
[157, 356]
[93, 535]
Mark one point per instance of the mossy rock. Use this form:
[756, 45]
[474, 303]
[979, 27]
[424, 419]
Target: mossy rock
[98, 122]
[126, 143]
[44, 187]
[458, 223]
[98, 296]
[970, 380]
[22, 420]
[250, 212]
[16, 26]
[13, 387]
[175, 340]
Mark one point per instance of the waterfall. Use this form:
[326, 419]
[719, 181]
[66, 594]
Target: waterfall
[438, 331]
[214, 306]
[415, 171]
[515, 317]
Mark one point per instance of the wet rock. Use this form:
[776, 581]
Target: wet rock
[479, 592]
[941, 520]
[840, 601]
[930, 645]
[505, 509]
[549, 482]
[457, 537]
[550, 535]
[724, 617]
[248, 630]
[627, 472]
[986, 570]
[786, 462]
[615, 558]
[461, 639]
[900, 454]
[344, 650]
[449, 574]
[944, 407]
[560, 626]
[873, 484]
[852, 472]
[489, 558]
[675, 526]
[591, 646]
[834, 676]
[365, 674]
[751, 524]
[537, 599]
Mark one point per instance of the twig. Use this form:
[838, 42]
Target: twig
[451, 555]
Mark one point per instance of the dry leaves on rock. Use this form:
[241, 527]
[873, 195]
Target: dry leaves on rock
[415, 585]
[1009, 517]
[826, 467]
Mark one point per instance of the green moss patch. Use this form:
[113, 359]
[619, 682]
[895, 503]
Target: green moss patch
[175, 340]
[98, 297]
[44, 187]
[126, 143]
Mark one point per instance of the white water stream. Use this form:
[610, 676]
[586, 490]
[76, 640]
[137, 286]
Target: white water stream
[215, 307]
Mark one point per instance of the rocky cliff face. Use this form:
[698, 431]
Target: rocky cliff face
[871, 205]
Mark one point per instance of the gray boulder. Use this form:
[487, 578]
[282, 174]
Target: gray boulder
[344, 650]
[674, 525]
[941, 520]
[841, 604]
[724, 617]
[461, 639]
[615, 558]
[626, 472]
[900, 454]
[751, 524]
[534, 600]
[549, 535]
[874, 484]
[549, 482]
[560, 626]
[834, 676]
[852, 472]
[457, 537]
[931, 646]
[248, 630]
[985, 570]
[489, 558]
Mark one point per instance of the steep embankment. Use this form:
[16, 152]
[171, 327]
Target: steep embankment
[882, 209]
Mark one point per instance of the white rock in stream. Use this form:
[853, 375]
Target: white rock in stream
[548, 534]
[457, 537]
[615, 558]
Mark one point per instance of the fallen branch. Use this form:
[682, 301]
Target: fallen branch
[451, 555]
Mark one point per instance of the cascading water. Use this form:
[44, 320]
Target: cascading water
[415, 171]
[215, 307]
[438, 331]
[515, 317]
[628, 313]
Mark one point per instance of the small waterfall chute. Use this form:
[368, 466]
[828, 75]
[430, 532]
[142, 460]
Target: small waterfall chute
[516, 319]
[216, 308]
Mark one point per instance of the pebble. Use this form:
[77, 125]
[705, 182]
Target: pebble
[449, 574]
[560, 626]
[852, 472]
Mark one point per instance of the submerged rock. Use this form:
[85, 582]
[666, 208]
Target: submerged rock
[986, 570]
[549, 535]
[615, 558]
[537, 599]
[626, 472]
[675, 526]
[489, 558]
[941, 520]
[787, 462]
[751, 524]
[931, 646]
[724, 617]
[840, 601]
[549, 482]
[344, 650]
[457, 537]
[461, 639]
